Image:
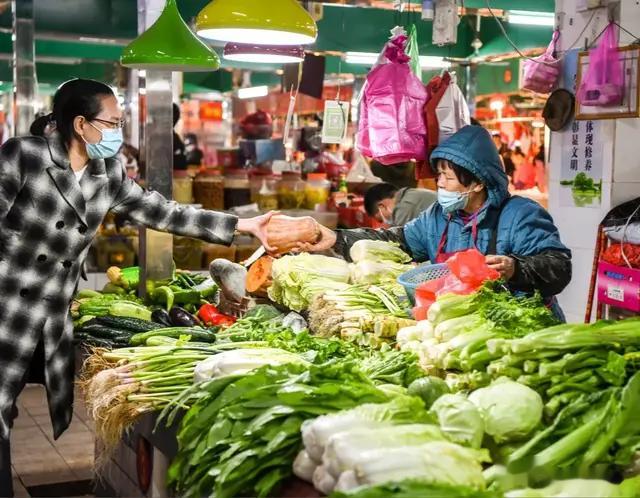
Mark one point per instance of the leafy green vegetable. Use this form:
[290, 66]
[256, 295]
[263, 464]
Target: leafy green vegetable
[459, 419]
[511, 411]
[242, 434]
[429, 389]
[379, 251]
[402, 409]
[297, 279]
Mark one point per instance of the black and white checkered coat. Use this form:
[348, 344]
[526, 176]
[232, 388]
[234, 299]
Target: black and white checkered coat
[47, 222]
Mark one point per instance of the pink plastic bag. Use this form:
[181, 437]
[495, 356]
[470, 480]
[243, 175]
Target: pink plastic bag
[603, 85]
[542, 73]
[392, 128]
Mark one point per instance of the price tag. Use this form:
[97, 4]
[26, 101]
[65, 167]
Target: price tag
[334, 124]
[615, 293]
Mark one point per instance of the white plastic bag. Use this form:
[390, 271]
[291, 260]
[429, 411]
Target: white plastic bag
[452, 111]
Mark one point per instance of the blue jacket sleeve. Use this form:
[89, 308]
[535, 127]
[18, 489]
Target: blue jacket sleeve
[543, 262]
[416, 236]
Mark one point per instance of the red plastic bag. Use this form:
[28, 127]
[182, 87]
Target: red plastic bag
[542, 73]
[613, 255]
[470, 267]
[603, 85]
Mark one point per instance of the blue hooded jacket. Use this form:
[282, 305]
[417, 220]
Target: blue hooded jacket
[523, 227]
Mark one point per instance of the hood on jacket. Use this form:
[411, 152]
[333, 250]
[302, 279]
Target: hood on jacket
[473, 149]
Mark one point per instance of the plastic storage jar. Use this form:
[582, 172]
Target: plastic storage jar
[291, 191]
[208, 190]
[237, 189]
[317, 190]
[182, 187]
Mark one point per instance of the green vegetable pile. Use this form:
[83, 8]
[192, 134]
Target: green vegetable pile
[242, 434]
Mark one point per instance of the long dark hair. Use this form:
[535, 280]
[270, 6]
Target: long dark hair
[74, 98]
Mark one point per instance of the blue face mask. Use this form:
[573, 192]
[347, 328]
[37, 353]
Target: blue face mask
[109, 144]
[452, 201]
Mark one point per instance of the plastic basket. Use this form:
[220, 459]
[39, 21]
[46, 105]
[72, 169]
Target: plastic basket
[424, 273]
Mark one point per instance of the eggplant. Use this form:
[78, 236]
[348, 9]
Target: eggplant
[182, 318]
[162, 317]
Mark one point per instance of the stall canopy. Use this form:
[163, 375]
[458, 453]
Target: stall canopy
[86, 37]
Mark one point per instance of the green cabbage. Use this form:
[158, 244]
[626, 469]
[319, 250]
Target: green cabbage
[436, 461]
[344, 448]
[298, 279]
[402, 409]
[511, 410]
[459, 419]
[378, 250]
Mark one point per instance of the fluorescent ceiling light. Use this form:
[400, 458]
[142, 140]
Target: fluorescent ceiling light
[369, 59]
[531, 18]
[253, 92]
[266, 36]
[275, 54]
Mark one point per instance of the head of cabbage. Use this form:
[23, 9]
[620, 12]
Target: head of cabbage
[459, 419]
[511, 410]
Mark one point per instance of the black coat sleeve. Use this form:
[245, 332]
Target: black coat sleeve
[346, 238]
[549, 272]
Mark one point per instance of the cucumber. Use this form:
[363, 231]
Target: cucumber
[87, 293]
[103, 332]
[135, 325]
[130, 310]
[196, 333]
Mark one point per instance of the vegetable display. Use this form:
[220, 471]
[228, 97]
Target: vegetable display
[489, 397]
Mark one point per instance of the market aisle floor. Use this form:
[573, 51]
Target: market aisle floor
[40, 463]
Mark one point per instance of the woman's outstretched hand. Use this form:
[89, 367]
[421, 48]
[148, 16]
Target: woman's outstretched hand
[258, 228]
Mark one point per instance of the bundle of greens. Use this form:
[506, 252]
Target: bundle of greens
[297, 279]
[368, 315]
[565, 361]
[460, 326]
[242, 435]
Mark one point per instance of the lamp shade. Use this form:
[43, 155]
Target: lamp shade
[273, 54]
[264, 22]
[170, 45]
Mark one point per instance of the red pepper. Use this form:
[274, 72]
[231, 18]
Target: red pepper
[210, 315]
[223, 321]
[207, 312]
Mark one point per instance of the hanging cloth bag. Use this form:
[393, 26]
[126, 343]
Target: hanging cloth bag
[541, 74]
[603, 84]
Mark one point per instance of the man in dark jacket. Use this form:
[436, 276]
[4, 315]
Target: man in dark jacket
[397, 206]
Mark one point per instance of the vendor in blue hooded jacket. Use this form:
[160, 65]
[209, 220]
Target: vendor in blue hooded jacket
[475, 209]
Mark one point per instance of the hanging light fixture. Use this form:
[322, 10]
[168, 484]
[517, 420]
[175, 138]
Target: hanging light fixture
[170, 45]
[273, 22]
[273, 54]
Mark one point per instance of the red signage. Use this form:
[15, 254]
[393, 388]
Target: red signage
[211, 111]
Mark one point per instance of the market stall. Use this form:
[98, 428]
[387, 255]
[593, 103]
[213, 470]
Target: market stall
[334, 383]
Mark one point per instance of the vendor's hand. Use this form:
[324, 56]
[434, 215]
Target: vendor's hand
[258, 228]
[505, 265]
[327, 241]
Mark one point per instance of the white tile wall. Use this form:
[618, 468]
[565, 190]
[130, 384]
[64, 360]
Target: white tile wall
[621, 165]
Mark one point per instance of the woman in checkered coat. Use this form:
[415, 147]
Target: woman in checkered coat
[54, 193]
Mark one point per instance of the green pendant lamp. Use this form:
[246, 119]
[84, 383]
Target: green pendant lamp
[260, 22]
[169, 45]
